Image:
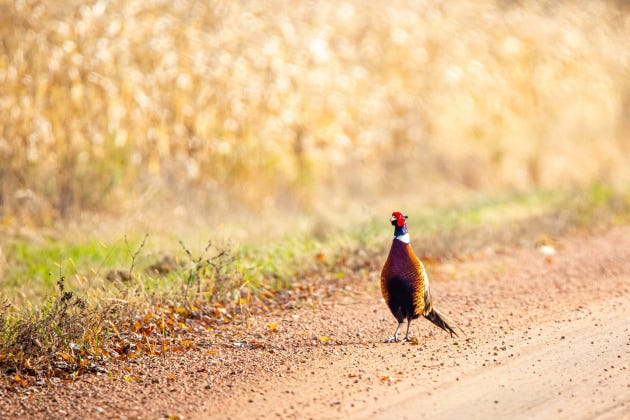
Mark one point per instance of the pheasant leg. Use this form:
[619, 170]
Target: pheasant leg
[394, 339]
[406, 339]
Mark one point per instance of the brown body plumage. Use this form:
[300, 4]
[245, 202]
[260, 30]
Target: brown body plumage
[405, 285]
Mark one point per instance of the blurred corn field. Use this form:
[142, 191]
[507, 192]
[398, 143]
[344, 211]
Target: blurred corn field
[281, 104]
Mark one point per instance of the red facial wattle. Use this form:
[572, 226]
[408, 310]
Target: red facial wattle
[400, 218]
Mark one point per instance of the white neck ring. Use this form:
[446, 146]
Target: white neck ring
[403, 238]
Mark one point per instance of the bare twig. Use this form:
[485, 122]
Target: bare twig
[133, 257]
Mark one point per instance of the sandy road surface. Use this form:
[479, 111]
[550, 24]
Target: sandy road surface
[544, 339]
[578, 369]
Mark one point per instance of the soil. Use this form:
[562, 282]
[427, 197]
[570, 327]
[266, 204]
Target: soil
[545, 336]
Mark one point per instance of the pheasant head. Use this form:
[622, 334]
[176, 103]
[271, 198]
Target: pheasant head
[399, 221]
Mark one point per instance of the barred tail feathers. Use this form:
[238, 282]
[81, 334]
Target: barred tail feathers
[441, 320]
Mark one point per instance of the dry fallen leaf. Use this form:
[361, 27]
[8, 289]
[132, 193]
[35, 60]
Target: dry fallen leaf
[66, 357]
[186, 343]
[20, 380]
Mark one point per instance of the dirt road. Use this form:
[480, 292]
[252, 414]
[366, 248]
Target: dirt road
[575, 369]
[545, 339]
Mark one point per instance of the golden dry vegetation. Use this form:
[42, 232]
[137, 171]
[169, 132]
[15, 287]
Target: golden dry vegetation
[123, 105]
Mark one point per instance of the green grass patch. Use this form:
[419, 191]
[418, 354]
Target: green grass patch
[32, 268]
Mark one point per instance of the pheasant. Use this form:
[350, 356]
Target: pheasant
[405, 285]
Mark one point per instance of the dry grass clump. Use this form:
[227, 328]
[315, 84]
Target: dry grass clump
[55, 337]
[68, 334]
[268, 104]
